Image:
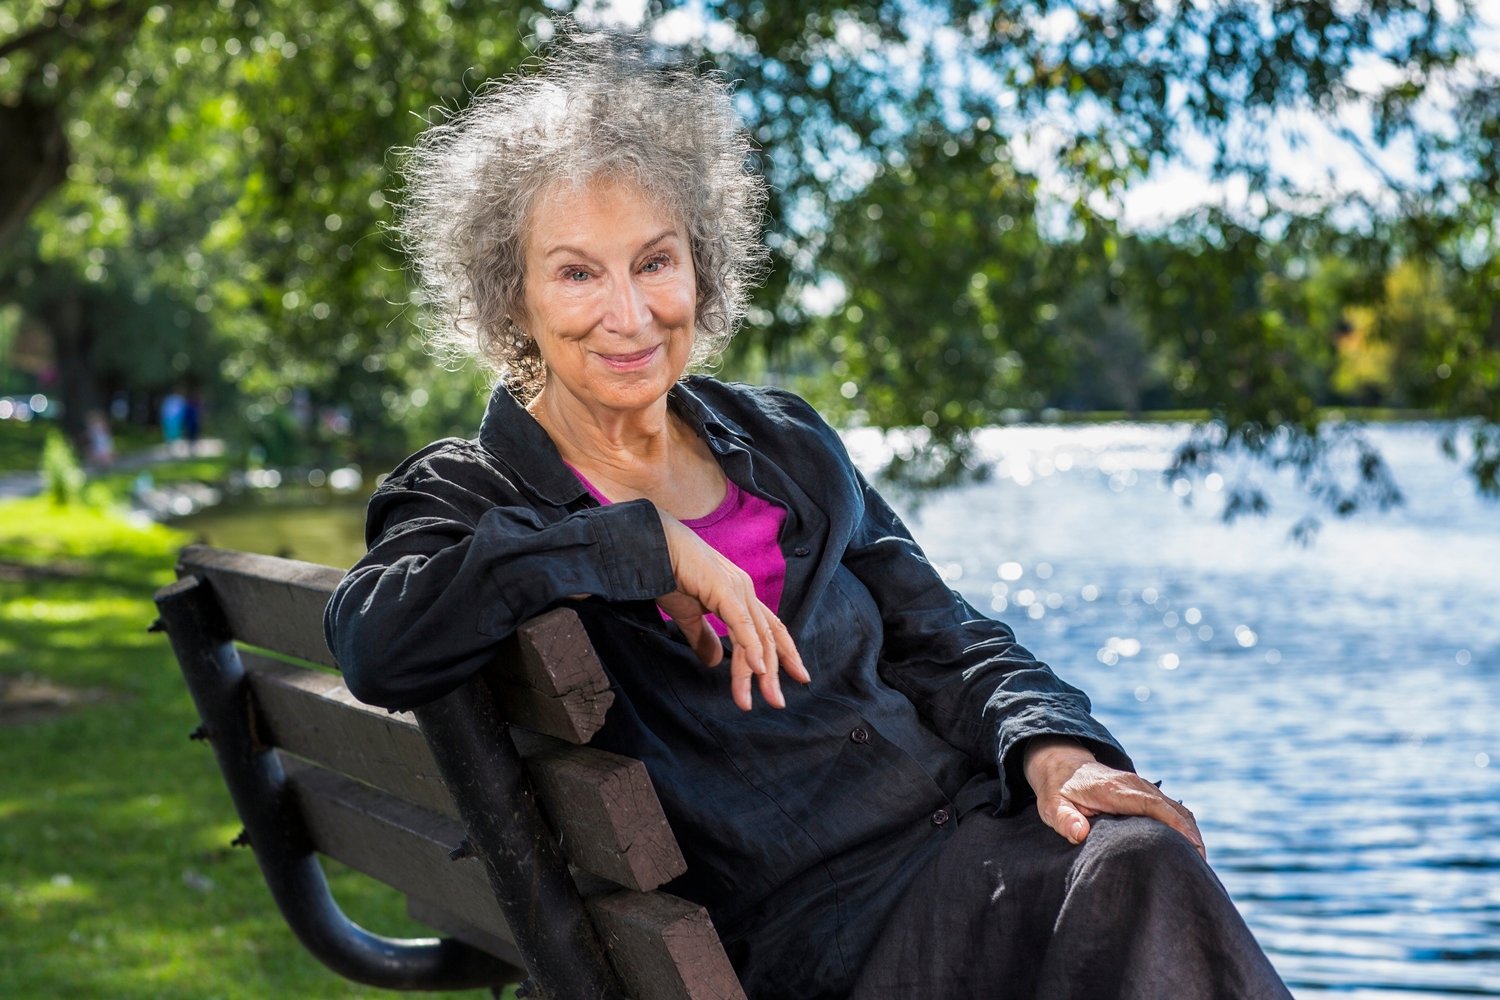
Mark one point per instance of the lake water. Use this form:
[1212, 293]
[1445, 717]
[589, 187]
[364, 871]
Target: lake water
[1331, 714]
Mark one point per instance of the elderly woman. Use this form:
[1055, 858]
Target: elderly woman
[927, 811]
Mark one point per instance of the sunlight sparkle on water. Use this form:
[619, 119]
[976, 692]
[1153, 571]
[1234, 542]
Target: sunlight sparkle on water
[1286, 709]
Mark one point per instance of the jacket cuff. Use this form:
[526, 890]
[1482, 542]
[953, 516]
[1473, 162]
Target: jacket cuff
[633, 549]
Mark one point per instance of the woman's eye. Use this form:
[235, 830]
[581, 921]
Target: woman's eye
[654, 265]
[577, 274]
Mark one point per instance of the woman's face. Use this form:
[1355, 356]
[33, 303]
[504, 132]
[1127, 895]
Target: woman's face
[610, 294]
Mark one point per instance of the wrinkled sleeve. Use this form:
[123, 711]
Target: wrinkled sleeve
[977, 687]
[450, 572]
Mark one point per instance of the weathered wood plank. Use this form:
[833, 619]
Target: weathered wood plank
[664, 948]
[602, 806]
[398, 843]
[547, 678]
[446, 923]
[557, 655]
[550, 678]
[530, 709]
[311, 714]
[605, 812]
[270, 602]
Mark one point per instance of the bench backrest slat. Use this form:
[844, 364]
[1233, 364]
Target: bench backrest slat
[553, 681]
[311, 714]
[270, 602]
[400, 844]
[444, 922]
[605, 811]
[602, 805]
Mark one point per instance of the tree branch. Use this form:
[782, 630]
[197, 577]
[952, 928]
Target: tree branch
[56, 22]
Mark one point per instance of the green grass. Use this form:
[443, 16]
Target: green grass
[116, 878]
[21, 444]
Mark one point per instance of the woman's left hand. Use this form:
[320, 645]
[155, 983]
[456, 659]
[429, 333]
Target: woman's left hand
[1072, 787]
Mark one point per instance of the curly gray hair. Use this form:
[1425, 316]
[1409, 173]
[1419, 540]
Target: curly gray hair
[595, 105]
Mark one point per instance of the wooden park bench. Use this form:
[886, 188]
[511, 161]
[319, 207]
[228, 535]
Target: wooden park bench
[535, 857]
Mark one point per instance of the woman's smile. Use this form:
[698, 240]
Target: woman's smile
[634, 361]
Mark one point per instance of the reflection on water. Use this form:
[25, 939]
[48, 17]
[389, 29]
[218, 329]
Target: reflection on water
[316, 525]
[1330, 713]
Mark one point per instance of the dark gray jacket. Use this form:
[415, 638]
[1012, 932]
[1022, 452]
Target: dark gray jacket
[801, 827]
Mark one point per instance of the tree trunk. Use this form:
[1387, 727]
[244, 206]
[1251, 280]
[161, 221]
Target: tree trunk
[73, 340]
[35, 161]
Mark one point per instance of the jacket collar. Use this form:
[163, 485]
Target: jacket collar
[514, 437]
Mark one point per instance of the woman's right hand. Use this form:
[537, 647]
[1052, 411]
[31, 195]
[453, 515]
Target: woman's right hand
[707, 582]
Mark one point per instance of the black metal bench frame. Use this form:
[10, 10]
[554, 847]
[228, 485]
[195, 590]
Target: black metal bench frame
[553, 926]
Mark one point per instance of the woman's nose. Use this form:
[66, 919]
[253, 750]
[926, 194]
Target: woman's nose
[627, 311]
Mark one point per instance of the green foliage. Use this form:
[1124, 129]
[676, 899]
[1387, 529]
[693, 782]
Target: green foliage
[62, 476]
[953, 170]
[223, 221]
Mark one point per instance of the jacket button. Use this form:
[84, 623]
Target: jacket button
[941, 817]
[860, 735]
[801, 550]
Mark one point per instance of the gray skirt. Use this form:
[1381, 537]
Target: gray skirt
[1010, 909]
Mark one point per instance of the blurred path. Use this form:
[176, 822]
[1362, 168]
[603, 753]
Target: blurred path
[27, 484]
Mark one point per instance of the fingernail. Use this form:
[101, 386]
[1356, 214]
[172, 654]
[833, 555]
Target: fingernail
[1075, 832]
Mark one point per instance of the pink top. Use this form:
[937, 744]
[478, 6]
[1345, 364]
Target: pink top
[746, 530]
